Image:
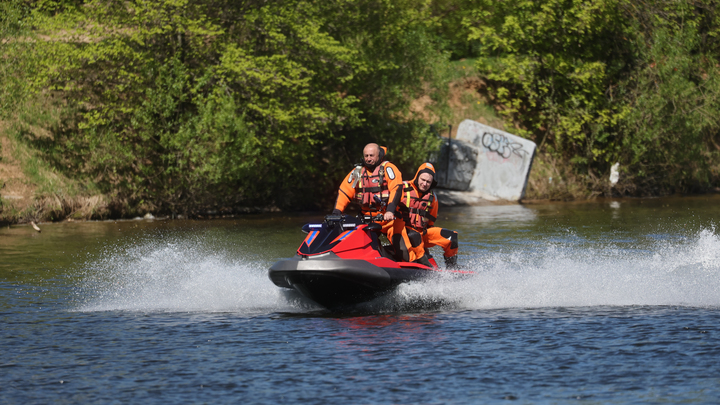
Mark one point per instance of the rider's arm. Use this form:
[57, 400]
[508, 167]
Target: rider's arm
[395, 197]
[434, 211]
[394, 180]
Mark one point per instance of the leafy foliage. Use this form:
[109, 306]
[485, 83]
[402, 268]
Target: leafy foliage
[15, 60]
[191, 103]
[594, 82]
[675, 101]
[184, 104]
[551, 64]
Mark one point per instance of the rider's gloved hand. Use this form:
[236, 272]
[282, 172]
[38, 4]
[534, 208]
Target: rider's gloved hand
[336, 212]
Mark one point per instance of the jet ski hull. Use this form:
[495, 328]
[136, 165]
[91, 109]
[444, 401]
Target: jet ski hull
[334, 282]
[342, 263]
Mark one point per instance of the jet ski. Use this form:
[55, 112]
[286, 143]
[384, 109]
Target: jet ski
[342, 263]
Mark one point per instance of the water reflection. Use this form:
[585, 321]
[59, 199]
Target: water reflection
[406, 323]
[615, 205]
[494, 214]
[366, 332]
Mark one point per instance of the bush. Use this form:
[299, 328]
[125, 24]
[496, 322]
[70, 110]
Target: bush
[183, 106]
[674, 99]
[605, 81]
[16, 63]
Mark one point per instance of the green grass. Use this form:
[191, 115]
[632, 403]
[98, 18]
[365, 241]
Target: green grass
[460, 69]
[36, 170]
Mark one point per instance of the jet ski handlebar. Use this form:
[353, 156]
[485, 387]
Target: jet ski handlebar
[334, 218]
[373, 218]
[364, 219]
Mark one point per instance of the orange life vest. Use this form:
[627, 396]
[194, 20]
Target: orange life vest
[419, 208]
[367, 186]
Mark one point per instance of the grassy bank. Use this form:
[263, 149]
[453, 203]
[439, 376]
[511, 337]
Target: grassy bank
[34, 189]
[31, 190]
[183, 108]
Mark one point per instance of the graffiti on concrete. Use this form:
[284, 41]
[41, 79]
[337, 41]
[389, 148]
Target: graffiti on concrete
[502, 166]
[501, 145]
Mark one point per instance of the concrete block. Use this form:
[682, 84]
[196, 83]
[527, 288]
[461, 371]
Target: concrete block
[503, 164]
[456, 164]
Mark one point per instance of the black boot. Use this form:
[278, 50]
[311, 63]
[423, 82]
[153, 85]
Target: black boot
[423, 260]
[451, 262]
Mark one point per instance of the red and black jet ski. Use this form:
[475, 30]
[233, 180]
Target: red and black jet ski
[342, 263]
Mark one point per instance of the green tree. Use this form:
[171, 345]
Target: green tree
[552, 65]
[601, 81]
[15, 63]
[674, 98]
[198, 103]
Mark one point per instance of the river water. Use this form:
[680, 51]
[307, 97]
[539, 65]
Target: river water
[607, 302]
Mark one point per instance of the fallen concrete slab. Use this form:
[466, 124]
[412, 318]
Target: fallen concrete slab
[485, 163]
[452, 198]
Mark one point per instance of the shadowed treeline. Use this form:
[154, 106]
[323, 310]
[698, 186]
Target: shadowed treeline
[189, 106]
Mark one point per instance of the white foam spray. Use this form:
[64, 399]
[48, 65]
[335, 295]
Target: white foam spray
[190, 275]
[684, 273]
[178, 275]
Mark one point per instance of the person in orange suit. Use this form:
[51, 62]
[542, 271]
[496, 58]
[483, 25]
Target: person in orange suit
[369, 185]
[419, 207]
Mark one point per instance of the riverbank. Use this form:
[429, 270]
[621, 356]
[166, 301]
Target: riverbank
[33, 189]
[115, 116]
[30, 190]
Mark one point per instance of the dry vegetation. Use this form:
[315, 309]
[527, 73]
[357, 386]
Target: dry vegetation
[31, 191]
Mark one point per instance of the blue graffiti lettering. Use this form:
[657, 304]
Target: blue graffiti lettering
[501, 145]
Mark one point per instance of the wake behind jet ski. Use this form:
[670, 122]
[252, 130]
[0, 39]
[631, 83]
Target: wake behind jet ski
[341, 263]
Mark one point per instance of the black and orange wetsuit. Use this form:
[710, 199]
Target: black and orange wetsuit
[419, 212]
[362, 186]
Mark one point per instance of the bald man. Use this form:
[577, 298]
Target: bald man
[369, 185]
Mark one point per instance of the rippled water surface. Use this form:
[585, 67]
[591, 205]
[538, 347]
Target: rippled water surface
[605, 302]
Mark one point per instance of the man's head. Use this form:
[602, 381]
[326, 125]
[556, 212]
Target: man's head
[424, 181]
[371, 155]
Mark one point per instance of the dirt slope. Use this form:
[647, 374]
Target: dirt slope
[16, 190]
